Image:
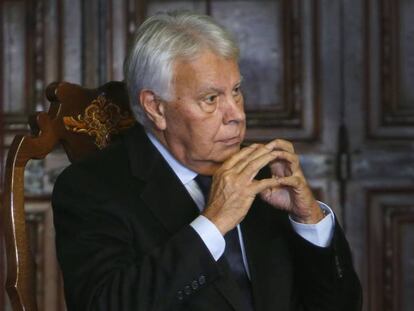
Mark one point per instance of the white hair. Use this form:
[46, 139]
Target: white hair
[162, 39]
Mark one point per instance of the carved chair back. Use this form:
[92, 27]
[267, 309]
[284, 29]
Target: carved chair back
[82, 121]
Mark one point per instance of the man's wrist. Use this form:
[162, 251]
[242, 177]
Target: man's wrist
[319, 234]
[316, 215]
[213, 216]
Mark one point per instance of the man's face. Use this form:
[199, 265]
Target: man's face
[205, 122]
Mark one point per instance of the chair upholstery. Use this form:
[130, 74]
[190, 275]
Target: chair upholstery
[82, 121]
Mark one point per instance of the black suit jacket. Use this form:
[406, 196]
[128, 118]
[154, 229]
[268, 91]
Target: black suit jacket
[124, 243]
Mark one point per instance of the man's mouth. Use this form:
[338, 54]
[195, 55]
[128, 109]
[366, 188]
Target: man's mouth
[231, 141]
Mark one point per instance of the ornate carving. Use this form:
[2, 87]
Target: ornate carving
[101, 119]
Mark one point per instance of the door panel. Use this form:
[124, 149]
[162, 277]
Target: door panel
[379, 117]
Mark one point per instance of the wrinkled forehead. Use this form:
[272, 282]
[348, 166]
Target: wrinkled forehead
[205, 70]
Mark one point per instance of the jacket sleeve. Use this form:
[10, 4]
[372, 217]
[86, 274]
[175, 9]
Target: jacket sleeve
[101, 265]
[325, 277]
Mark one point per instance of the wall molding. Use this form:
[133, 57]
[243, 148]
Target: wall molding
[294, 118]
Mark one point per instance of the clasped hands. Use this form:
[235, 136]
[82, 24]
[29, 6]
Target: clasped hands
[234, 188]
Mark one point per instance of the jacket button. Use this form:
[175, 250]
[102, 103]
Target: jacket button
[194, 285]
[180, 295]
[187, 290]
[202, 280]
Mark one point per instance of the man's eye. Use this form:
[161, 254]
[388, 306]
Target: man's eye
[236, 91]
[211, 99]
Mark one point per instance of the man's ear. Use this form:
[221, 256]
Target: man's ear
[154, 109]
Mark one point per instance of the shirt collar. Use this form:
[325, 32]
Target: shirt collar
[183, 173]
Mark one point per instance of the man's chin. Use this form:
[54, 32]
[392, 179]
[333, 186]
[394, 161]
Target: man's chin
[209, 167]
[228, 152]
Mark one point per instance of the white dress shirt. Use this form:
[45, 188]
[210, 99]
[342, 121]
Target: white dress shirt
[319, 234]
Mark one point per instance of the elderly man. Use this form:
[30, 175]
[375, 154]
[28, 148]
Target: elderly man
[176, 216]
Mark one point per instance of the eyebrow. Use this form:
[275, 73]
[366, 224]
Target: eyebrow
[209, 89]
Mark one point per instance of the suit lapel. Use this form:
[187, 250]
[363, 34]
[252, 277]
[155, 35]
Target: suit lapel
[163, 193]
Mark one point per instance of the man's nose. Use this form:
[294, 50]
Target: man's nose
[233, 110]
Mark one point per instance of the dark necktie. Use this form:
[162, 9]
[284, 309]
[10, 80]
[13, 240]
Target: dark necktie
[232, 253]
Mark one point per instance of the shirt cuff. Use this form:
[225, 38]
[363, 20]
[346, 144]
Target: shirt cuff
[210, 235]
[319, 234]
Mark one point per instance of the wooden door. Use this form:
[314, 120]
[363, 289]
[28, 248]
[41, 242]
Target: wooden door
[379, 113]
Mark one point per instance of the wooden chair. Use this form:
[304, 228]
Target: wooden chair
[83, 121]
